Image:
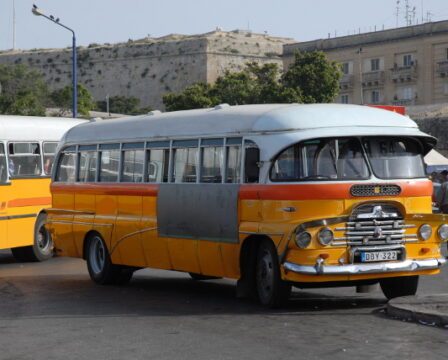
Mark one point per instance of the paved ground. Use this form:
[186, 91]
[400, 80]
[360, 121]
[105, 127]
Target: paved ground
[52, 310]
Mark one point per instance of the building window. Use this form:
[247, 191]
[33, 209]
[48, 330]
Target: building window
[375, 97]
[445, 89]
[374, 64]
[344, 99]
[407, 60]
[345, 68]
[407, 93]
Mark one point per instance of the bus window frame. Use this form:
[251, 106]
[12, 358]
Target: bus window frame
[211, 143]
[44, 173]
[131, 146]
[5, 154]
[19, 177]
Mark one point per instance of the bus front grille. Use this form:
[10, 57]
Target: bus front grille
[375, 224]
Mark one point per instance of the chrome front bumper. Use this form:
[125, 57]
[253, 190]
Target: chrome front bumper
[360, 269]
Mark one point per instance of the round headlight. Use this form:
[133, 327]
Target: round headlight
[303, 239]
[325, 236]
[443, 232]
[425, 231]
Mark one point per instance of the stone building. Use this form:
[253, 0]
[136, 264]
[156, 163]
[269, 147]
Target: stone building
[404, 66]
[151, 67]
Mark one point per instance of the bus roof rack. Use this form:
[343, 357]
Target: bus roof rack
[221, 106]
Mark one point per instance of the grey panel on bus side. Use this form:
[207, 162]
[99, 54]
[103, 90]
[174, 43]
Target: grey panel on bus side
[198, 211]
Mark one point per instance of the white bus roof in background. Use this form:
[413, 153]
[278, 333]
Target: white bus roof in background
[34, 128]
[326, 119]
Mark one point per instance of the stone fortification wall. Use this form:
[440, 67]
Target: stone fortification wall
[437, 127]
[149, 68]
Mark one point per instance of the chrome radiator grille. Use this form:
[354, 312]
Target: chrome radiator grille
[374, 224]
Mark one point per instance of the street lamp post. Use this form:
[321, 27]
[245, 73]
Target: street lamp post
[36, 11]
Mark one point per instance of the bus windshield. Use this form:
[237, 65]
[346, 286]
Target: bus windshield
[392, 157]
[348, 159]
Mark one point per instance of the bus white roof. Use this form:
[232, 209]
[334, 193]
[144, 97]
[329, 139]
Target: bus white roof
[34, 128]
[249, 120]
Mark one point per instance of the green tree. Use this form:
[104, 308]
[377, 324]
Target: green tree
[314, 77]
[121, 104]
[62, 98]
[22, 91]
[193, 97]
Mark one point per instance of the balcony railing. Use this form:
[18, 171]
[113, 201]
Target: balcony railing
[346, 82]
[374, 78]
[442, 68]
[404, 73]
[403, 102]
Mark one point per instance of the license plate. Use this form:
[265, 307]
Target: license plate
[379, 256]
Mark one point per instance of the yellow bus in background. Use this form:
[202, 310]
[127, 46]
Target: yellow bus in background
[271, 195]
[27, 149]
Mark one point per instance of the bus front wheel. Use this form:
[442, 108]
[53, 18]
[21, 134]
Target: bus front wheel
[42, 248]
[399, 286]
[271, 289]
[101, 269]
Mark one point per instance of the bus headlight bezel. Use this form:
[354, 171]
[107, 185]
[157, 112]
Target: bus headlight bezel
[325, 236]
[425, 231]
[442, 232]
[303, 239]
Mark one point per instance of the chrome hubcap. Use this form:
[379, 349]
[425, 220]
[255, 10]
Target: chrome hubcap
[97, 255]
[43, 240]
[265, 275]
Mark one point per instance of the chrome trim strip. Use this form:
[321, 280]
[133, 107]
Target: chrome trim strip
[66, 211]
[12, 217]
[360, 269]
[76, 223]
[129, 235]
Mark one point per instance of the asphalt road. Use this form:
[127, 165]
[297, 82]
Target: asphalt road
[52, 310]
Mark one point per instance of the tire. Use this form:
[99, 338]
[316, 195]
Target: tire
[42, 248]
[271, 289]
[199, 277]
[101, 269]
[399, 286]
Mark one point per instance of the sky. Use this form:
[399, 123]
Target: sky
[112, 21]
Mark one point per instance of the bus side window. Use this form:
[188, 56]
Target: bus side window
[157, 167]
[211, 161]
[132, 169]
[87, 166]
[233, 161]
[49, 150]
[24, 159]
[66, 171]
[109, 165]
[3, 165]
[251, 169]
[184, 161]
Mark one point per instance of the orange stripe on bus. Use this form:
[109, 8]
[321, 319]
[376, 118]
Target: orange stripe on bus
[323, 191]
[29, 202]
[247, 191]
[130, 189]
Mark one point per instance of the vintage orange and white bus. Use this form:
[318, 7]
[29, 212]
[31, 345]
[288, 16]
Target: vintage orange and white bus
[270, 195]
[27, 149]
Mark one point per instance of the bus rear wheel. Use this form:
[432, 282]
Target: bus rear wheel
[101, 269]
[399, 286]
[271, 289]
[42, 248]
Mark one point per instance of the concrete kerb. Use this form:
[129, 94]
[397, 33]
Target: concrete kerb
[427, 310]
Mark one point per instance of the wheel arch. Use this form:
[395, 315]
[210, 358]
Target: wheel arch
[247, 261]
[87, 237]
